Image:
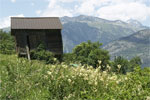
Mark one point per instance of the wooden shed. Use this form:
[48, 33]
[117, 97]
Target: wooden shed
[31, 31]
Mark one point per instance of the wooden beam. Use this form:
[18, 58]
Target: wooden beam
[28, 52]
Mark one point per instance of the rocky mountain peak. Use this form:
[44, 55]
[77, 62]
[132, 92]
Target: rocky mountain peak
[134, 22]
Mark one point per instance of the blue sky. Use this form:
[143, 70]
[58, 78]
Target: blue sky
[107, 9]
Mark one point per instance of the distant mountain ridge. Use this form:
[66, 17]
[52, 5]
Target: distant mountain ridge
[137, 44]
[134, 22]
[6, 29]
[82, 28]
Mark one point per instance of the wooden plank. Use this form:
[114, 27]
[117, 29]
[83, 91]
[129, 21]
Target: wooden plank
[28, 53]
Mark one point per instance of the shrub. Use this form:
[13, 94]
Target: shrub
[42, 54]
[7, 43]
[68, 58]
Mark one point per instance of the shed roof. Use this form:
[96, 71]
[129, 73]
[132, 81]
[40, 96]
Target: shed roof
[35, 23]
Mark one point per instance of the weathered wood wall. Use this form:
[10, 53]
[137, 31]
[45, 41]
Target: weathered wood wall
[52, 39]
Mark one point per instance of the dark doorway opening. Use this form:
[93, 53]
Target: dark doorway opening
[28, 42]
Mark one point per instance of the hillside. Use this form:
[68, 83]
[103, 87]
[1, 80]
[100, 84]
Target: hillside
[82, 28]
[6, 29]
[137, 44]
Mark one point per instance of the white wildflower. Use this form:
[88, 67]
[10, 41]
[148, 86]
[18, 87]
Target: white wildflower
[148, 98]
[119, 66]
[108, 67]
[96, 83]
[49, 73]
[55, 59]
[104, 72]
[126, 78]
[101, 79]
[113, 77]
[69, 80]
[99, 61]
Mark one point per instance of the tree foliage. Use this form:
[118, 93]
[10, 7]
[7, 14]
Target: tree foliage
[123, 65]
[7, 43]
[120, 65]
[90, 53]
[68, 58]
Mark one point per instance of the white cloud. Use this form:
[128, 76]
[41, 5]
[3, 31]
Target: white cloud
[125, 11]
[107, 9]
[115, 9]
[55, 10]
[86, 8]
[68, 1]
[65, 1]
[13, 1]
[38, 12]
[5, 22]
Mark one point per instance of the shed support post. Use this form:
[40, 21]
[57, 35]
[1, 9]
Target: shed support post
[28, 53]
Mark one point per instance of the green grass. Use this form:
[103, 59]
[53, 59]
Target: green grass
[21, 79]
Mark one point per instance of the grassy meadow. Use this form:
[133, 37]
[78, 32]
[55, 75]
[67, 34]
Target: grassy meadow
[21, 79]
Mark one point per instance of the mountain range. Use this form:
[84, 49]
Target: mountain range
[82, 28]
[137, 44]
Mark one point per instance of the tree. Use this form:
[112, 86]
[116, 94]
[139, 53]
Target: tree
[121, 65]
[90, 53]
[134, 62]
